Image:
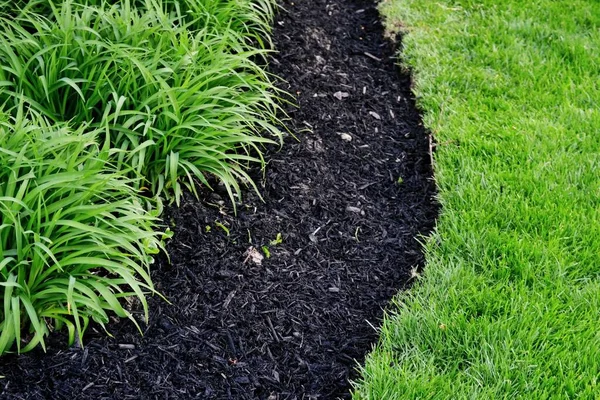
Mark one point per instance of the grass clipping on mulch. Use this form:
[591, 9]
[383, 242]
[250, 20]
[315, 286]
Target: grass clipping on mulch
[103, 102]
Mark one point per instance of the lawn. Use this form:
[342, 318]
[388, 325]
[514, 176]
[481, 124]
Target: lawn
[509, 303]
[108, 109]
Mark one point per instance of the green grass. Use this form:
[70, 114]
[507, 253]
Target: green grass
[509, 304]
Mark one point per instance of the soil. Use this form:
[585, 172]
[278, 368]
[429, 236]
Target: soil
[347, 199]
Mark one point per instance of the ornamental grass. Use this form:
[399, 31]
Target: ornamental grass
[74, 237]
[179, 104]
[101, 102]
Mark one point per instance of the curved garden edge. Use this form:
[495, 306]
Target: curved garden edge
[347, 213]
[509, 303]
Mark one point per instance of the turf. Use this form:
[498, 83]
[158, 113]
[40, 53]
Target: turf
[508, 306]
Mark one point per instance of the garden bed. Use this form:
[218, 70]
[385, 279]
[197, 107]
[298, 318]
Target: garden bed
[343, 204]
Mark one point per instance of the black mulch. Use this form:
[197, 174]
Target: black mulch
[348, 200]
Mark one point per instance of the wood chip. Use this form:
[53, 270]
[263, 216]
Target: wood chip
[275, 335]
[372, 56]
[340, 95]
[353, 209]
[344, 136]
[374, 115]
[253, 255]
[86, 387]
[228, 299]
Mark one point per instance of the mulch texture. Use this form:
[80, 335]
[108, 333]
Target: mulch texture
[347, 199]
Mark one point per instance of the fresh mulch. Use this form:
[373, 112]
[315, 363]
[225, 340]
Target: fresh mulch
[348, 199]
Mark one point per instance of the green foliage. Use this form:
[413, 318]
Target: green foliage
[266, 250]
[509, 304]
[74, 238]
[101, 101]
[178, 104]
[278, 240]
[250, 20]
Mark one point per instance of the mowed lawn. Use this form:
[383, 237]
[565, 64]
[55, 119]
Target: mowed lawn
[509, 304]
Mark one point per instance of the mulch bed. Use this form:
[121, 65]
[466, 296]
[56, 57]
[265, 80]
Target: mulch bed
[347, 198]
